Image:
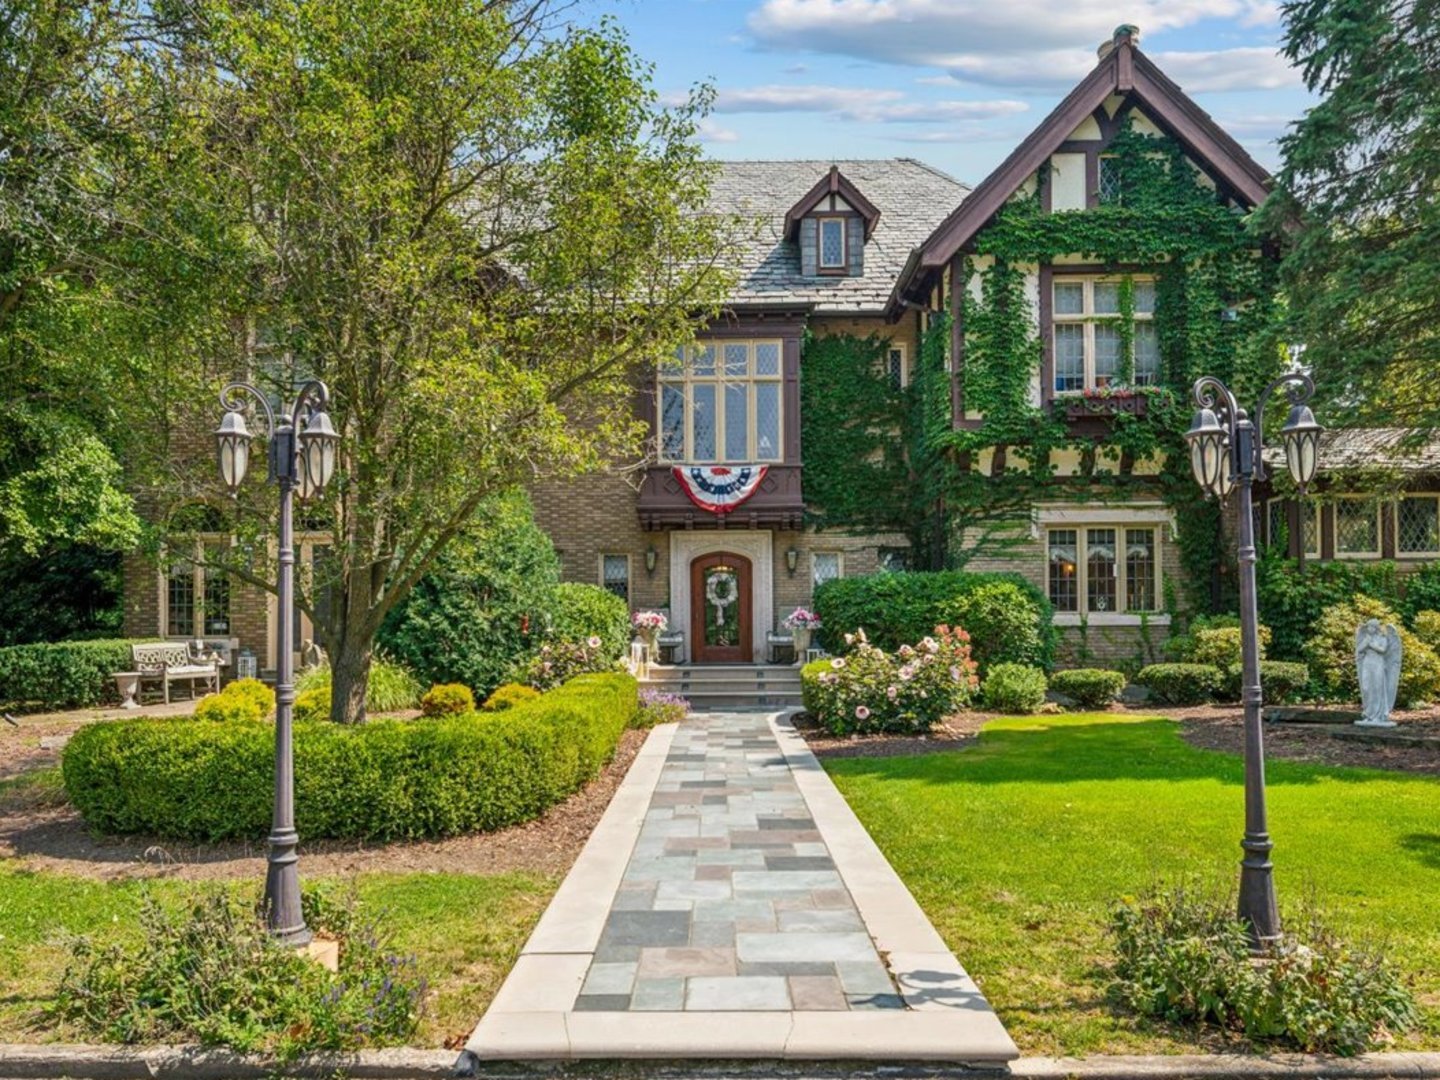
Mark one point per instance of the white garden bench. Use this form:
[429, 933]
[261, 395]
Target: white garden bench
[166, 663]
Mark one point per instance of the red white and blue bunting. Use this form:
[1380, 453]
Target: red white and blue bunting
[720, 488]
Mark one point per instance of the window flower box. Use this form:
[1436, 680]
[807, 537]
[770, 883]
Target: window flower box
[1104, 403]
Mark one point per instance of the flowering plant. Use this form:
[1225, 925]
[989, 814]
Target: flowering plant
[561, 661]
[801, 619]
[870, 690]
[657, 707]
[652, 622]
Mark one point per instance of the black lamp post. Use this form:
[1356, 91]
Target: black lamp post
[303, 459]
[1226, 452]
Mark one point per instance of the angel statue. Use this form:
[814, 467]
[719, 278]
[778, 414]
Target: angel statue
[1377, 662]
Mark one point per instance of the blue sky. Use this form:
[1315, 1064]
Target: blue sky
[955, 83]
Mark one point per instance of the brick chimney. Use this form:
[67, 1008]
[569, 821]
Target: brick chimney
[1123, 33]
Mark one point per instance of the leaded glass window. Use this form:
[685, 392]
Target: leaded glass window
[1089, 350]
[721, 402]
[1140, 570]
[832, 243]
[1110, 189]
[215, 615]
[1357, 527]
[824, 566]
[1418, 531]
[1101, 575]
[180, 599]
[615, 574]
[1063, 576]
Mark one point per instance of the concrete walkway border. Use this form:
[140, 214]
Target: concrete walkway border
[80, 1062]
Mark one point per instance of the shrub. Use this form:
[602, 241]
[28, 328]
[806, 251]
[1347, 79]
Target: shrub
[1182, 684]
[1421, 591]
[65, 674]
[1331, 653]
[209, 973]
[1281, 682]
[1089, 688]
[563, 660]
[447, 699]
[1293, 599]
[312, 705]
[660, 708]
[243, 699]
[1214, 640]
[1014, 688]
[899, 608]
[871, 690]
[581, 612]
[1005, 624]
[392, 688]
[384, 780]
[1426, 625]
[479, 612]
[1184, 956]
[508, 695]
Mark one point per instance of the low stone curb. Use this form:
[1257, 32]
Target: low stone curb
[80, 1062]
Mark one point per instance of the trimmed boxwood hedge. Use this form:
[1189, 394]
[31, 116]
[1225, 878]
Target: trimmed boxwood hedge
[384, 780]
[63, 674]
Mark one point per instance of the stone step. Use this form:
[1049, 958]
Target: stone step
[714, 681]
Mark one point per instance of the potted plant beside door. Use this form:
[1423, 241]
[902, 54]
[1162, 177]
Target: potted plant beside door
[649, 625]
[801, 622]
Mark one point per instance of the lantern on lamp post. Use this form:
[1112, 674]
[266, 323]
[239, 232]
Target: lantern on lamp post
[303, 452]
[1227, 453]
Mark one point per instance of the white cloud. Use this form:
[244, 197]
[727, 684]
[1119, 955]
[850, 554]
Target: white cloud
[1229, 69]
[797, 69]
[712, 132]
[1034, 43]
[862, 105]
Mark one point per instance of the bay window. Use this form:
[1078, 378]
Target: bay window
[720, 402]
[1103, 569]
[1089, 348]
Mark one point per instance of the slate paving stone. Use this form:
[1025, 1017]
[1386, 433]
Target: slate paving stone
[731, 901]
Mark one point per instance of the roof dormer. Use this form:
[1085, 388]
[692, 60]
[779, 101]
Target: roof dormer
[831, 224]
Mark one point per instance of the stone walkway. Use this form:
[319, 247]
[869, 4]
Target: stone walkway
[731, 900]
[731, 890]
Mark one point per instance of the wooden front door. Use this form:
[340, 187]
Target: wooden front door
[720, 609]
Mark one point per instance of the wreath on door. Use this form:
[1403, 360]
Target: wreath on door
[722, 590]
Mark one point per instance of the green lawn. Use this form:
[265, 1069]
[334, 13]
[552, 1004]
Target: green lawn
[465, 931]
[1017, 847]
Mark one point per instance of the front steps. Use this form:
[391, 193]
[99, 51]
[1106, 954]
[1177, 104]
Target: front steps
[709, 687]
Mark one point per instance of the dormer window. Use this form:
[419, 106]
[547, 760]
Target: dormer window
[830, 226]
[833, 248]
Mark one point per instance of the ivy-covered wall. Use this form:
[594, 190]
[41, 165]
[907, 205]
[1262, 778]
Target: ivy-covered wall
[904, 462]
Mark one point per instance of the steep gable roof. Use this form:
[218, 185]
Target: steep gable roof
[1125, 71]
[832, 183]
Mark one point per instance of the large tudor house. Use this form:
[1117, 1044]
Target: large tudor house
[717, 530]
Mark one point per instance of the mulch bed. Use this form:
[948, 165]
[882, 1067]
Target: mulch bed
[1208, 727]
[56, 839]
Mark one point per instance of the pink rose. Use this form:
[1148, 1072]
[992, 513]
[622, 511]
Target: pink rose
[892, 692]
[593, 641]
[861, 712]
[838, 662]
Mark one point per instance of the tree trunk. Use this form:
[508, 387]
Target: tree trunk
[349, 679]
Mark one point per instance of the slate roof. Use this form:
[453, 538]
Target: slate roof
[913, 198]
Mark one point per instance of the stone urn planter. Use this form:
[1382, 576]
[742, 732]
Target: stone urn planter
[802, 643]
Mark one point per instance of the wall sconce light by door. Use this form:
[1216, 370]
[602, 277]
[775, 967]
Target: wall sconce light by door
[792, 559]
[650, 556]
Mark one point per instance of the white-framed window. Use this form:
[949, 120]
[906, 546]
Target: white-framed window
[1417, 525]
[1279, 522]
[720, 401]
[195, 591]
[826, 566]
[897, 365]
[1087, 339]
[1103, 569]
[1357, 528]
[832, 244]
[615, 575]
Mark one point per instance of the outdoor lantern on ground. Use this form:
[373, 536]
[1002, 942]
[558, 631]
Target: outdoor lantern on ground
[303, 450]
[1227, 453]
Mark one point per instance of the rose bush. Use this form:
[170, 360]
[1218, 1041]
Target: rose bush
[910, 690]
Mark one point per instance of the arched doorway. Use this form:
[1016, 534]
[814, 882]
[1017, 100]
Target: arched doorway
[720, 594]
